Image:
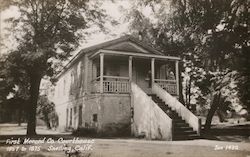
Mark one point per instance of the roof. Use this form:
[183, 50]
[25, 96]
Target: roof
[104, 45]
[113, 42]
[119, 40]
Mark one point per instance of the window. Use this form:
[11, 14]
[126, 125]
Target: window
[94, 117]
[72, 82]
[74, 110]
[67, 117]
[81, 78]
[80, 116]
[70, 120]
[74, 116]
[64, 86]
[97, 70]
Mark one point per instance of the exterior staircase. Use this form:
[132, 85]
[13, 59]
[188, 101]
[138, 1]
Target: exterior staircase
[181, 129]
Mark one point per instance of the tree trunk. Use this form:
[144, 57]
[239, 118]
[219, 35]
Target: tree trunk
[181, 98]
[214, 106]
[19, 116]
[186, 93]
[189, 91]
[221, 116]
[47, 121]
[34, 93]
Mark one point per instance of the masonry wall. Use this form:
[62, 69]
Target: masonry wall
[149, 120]
[69, 93]
[108, 114]
[115, 114]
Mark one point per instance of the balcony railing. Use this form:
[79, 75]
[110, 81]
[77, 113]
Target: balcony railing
[169, 85]
[117, 84]
[112, 84]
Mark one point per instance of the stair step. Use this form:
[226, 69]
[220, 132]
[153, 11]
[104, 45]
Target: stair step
[186, 137]
[187, 132]
[174, 116]
[166, 111]
[179, 120]
[181, 125]
[151, 94]
[165, 108]
[182, 130]
[161, 103]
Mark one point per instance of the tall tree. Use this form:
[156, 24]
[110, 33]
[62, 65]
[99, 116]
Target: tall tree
[212, 38]
[46, 31]
[14, 86]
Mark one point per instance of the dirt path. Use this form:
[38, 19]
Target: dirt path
[143, 148]
[123, 147]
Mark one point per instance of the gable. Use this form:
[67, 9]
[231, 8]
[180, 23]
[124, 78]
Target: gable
[127, 46]
[125, 43]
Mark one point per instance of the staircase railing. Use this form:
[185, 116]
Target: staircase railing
[182, 111]
[169, 85]
[149, 119]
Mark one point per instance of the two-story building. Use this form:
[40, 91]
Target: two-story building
[123, 87]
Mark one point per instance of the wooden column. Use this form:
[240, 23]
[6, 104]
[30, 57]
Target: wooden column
[152, 71]
[130, 64]
[101, 71]
[177, 77]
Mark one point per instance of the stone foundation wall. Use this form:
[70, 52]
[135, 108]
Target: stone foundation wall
[115, 115]
[107, 114]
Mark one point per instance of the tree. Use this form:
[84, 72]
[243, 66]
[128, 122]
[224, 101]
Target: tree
[13, 87]
[5, 88]
[210, 36]
[154, 29]
[220, 27]
[46, 111]
[46, 31]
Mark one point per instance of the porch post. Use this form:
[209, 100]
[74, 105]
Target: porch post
[152, 71]
[101, 71]
[177, 76]
[130, 68]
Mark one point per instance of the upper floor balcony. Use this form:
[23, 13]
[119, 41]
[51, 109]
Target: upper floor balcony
[113, 72]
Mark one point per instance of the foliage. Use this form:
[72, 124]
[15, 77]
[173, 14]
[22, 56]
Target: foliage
[210, 36]
[5, 88]
[46, 112]
[13, 80]
[14, 89]
[47, 31]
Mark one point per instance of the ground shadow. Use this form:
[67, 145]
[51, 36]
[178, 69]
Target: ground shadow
[234, 133]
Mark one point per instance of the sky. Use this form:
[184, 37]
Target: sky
[112, 9]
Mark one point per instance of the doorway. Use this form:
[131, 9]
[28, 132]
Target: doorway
[80, 116]
[141, 74]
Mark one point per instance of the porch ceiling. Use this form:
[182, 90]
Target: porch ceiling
[134, 54]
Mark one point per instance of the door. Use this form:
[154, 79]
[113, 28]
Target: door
[80, 116]
[141, 75]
